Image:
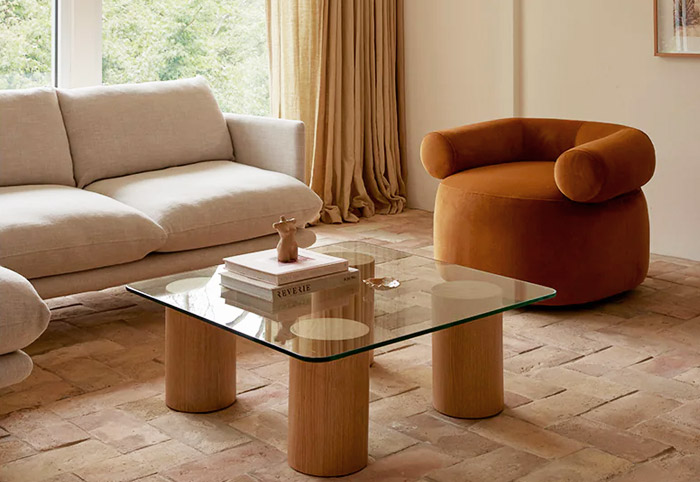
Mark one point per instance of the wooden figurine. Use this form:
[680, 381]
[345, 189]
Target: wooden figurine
[287, 248]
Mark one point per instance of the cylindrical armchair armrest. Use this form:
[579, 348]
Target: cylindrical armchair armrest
[607, 167]
[447, 152]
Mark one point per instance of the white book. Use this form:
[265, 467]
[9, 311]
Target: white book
[264, 266]
[288, 309]
[285, 309]
[271, 292]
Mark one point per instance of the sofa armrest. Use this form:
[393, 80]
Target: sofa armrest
[268, 143]
[447, 152]
[23, 314]
[607, 167]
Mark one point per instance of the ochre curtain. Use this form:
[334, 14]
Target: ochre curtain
[294, 45]
[338, 66]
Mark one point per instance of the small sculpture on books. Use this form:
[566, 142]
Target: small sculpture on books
[287, 248]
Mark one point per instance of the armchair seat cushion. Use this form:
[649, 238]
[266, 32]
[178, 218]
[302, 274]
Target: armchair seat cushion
[49, 230]
[213, 203]
[518, 180]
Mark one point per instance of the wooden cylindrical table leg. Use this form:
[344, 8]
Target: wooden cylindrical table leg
[200, 365]
[468, 368]
[363, 308]
[329, 416]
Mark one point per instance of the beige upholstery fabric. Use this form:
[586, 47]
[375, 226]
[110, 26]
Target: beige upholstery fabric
[14, 367]
[268, 143]
[212, 203]
[46, 230]
[33, 143]
[126, 129]
[155, 265]
[23, 314]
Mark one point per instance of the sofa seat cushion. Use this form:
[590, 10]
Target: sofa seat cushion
[48, 230]
[23, 314]
[213, 203]
[33, 143]
[117, 130]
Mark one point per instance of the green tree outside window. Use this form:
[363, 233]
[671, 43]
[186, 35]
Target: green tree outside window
[225, 41]
[25, 43]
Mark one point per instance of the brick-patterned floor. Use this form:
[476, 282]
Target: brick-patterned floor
[609, 392]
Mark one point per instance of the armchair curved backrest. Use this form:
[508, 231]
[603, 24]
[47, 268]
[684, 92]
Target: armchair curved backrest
[595, 161]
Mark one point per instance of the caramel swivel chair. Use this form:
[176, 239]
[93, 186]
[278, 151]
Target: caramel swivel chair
[553, 202]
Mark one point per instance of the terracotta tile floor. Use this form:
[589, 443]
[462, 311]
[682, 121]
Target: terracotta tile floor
[607, 392]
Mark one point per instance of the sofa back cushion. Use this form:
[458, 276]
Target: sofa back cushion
[33, 143]
[126, 129]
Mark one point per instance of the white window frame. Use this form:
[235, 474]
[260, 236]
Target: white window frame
[78, 58]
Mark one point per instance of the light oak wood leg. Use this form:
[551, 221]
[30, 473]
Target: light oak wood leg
[329, 416]
[468, 369]
[362, 309]
[200, 365]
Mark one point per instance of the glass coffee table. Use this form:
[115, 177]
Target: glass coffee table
[329, 336]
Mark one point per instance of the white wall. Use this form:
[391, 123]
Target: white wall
[585, 59]
[593, 60]
[459, 70]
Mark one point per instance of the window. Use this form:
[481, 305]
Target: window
[137, 41]
[26, 43]
[223, 40]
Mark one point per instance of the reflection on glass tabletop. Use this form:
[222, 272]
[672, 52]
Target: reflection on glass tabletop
[324, 325]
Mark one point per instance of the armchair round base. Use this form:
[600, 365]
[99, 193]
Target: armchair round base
[511, 219]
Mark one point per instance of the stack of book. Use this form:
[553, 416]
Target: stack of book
[260, 275]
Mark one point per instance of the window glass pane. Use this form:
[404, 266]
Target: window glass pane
[25, 43]
[223, 40]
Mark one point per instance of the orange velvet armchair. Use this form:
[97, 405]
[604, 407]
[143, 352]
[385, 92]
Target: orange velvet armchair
[554, 202]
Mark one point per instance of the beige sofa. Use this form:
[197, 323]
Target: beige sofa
[102, 186]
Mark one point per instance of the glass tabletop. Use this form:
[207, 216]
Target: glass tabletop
[412, 295]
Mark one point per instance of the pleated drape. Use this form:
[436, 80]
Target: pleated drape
[294, 45]
[338, 66]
